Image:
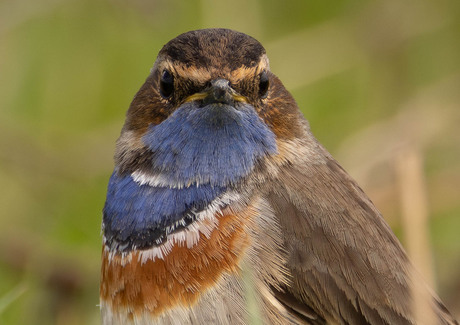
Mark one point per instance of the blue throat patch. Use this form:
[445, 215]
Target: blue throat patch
[209, 149]
[216, 144]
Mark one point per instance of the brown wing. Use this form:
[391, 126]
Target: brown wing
[347, 265]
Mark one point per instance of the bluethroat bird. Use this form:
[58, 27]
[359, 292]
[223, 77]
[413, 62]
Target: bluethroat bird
[224, 209]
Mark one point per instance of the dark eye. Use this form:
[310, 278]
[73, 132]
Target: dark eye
[263, 84]
[166, 84]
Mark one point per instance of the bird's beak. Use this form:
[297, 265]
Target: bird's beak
[220, 91]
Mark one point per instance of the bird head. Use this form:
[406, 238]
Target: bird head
[207, 113]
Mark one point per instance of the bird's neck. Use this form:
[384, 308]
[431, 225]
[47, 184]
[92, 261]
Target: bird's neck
[198, 156]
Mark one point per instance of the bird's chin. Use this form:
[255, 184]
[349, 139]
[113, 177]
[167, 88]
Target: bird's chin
[215, 113]
[220, 108]
[219, 105]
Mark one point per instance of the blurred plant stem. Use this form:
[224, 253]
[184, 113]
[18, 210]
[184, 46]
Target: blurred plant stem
[10, 297]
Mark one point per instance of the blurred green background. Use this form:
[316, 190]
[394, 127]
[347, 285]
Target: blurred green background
[379, 81]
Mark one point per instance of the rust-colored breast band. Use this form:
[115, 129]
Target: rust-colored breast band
[181, 277]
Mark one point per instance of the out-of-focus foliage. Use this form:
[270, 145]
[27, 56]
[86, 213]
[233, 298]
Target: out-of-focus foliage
[375, 79]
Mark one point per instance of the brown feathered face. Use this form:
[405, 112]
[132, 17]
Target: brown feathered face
[215, 66]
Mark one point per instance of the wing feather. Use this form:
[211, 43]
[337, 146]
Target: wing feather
[346, 264]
